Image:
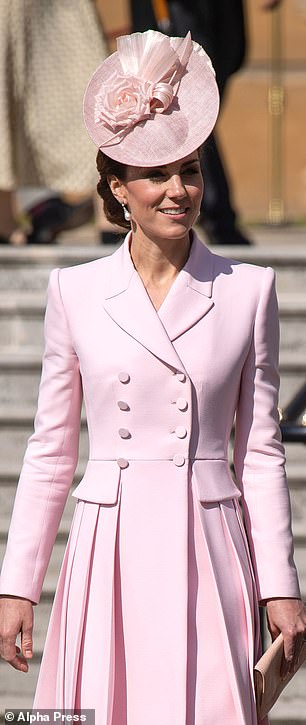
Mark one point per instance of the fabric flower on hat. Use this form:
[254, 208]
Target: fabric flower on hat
[150, 69]
[126, 100]
[123, 101]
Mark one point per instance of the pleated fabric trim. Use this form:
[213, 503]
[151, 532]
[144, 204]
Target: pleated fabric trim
[230, 512]
[72, 620]
[83, 613]
[58, 677]
[74, 605]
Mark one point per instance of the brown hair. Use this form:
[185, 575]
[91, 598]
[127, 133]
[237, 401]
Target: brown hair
[108, 167]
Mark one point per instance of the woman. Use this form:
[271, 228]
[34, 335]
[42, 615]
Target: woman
[155, 617]
[38, 90]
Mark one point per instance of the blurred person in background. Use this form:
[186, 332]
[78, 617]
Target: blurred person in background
[218, 25]
[48, 50]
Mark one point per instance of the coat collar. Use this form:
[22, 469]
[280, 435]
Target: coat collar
[188, 300]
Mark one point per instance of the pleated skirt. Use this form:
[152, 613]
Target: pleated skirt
[118, 639]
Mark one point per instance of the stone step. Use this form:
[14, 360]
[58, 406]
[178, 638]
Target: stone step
[17, 688]
[291, 706]
[296, 453]
[20, 372]
[300, 560]
[28, 269]
[292, 311]
[298, 507]
[21, 321]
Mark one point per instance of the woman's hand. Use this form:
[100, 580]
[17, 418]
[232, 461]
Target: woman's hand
[287, 616]
[16, 615]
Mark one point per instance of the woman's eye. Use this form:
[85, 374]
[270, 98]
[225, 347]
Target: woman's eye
[191, 170]
[157, 176]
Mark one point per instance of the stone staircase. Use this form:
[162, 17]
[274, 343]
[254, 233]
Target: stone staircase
[23, 280]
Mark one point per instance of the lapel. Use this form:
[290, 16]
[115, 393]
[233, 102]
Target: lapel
[190, 296]
[128, 304]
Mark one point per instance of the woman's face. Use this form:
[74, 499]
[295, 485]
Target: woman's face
[164, 201]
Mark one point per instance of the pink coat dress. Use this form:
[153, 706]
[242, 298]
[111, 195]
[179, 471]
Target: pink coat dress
[155, 617]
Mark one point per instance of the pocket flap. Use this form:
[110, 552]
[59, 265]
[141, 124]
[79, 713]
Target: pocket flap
[213, 480]
[100, 483]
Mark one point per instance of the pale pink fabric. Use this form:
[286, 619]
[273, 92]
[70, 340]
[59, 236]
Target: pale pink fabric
[152, 101]
[155, 616]
[151, 67]
[139, 674]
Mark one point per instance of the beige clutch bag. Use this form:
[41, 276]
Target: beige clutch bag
[267, 680]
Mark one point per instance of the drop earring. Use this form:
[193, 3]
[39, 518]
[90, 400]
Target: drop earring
[126, 212]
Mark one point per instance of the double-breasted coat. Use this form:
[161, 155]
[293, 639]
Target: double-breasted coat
[155, 617]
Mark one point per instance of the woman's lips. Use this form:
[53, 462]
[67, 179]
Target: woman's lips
[174, 211]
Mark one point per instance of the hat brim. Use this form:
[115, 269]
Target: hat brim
[163, 137]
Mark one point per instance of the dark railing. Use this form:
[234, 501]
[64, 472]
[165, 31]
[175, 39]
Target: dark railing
[292, 431]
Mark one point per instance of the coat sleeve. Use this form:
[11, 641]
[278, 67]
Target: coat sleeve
[259, 457]
[50, 459]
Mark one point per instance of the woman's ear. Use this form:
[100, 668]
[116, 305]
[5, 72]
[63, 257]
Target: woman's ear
[117, 188]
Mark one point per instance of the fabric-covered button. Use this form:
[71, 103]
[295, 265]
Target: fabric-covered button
[122, 405]
[178, 459]
[180, 431]
[182, 404]
[181, 377]
[124, 433]
[122, 462]
[124, 377]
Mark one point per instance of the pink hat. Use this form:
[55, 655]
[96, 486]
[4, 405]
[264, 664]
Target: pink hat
[153, 101]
